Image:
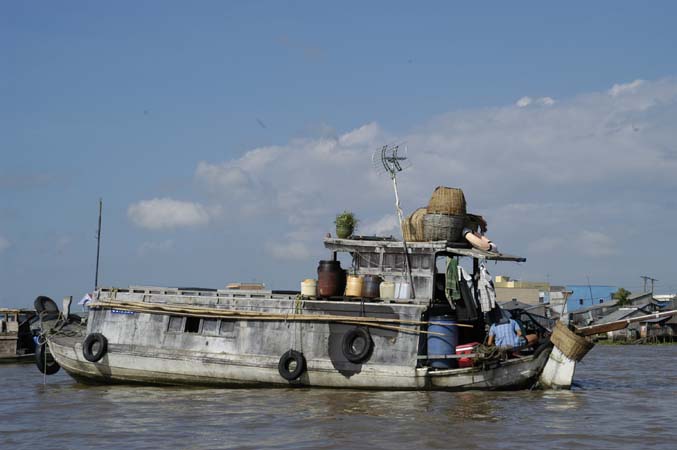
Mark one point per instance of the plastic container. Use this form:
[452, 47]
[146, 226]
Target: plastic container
[387, 289]
[354, 286]
[370, 286]
[466, 349]
[309, 288]
[402, 290]
[442, 345]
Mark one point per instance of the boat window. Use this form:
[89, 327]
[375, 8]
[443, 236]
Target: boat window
[210, 326]
[192, 325]
[227, 326]
[175, 324]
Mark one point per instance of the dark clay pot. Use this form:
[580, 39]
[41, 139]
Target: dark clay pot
[331, 279]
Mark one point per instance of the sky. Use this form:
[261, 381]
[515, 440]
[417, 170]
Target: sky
[224, 137]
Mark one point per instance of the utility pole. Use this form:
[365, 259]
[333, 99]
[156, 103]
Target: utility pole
[98, 246]
[647, 278]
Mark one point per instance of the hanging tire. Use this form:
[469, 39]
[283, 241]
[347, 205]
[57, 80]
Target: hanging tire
[45, 361]
[357, 345]
[94, 347]
[292, 365]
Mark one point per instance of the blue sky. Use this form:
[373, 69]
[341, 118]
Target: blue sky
[223, 137]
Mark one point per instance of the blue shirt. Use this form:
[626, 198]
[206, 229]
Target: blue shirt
[505, 334]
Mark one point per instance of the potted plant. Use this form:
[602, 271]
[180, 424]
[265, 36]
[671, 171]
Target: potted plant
[345, 224]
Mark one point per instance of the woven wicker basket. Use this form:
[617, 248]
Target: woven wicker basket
[442, 227]
[412, 226]
[446, 200]
[569, 343]
[407, 230]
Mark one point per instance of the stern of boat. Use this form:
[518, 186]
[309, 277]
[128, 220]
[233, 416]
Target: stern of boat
[569, 348]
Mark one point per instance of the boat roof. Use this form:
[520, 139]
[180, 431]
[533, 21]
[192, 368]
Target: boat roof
[456, 248]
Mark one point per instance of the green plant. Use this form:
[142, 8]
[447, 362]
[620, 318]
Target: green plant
[346, 219]
[622, 295]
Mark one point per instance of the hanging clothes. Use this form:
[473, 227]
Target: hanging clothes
[451, 288]
[466, 309]
[486, 289]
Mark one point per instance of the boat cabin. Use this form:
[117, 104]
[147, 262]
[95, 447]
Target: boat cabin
[385, 257]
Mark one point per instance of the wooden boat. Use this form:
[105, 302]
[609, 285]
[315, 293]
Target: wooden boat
[238, 338]
[16, 338]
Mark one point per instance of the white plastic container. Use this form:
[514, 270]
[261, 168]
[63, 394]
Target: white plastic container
[402, 290]
[309, 288]
[387, 289]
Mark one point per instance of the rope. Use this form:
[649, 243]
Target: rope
[376, 322]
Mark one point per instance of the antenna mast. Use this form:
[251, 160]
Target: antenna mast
[98, 247]
[392, 163]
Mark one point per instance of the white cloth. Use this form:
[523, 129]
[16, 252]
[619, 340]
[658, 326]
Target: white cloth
[486, 290]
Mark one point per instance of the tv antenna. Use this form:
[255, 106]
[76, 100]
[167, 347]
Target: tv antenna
[393, 159]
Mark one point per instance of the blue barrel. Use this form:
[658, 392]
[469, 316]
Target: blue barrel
[443, 345]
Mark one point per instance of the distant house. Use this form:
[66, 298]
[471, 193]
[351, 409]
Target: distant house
[583, 296]
[633, 330]
[531, 292]
[582, 317]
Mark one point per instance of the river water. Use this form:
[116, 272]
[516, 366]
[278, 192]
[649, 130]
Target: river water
[625, 397]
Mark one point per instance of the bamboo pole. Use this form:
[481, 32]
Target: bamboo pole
[620, 324]
[258, 315]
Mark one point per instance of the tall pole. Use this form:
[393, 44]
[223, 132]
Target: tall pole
[647, 278]
[404, 241]
[98, 247]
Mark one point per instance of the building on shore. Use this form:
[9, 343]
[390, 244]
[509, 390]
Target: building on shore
[528, 292]
[584, 295]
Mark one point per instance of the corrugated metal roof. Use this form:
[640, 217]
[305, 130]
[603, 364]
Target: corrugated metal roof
[621, 314]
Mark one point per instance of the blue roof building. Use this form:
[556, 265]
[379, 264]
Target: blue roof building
[584, 295]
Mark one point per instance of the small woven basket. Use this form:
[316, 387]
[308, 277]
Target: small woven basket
[569, 343]
[442, 227]
[446, 200]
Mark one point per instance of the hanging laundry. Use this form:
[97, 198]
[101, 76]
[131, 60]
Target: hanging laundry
[466, 309]
[487, 292]
[451, 288]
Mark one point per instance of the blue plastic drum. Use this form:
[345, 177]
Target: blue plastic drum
[445, 344]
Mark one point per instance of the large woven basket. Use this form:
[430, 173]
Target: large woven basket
[412, 226]
[442, 227]
[569, 343]
[446, 200]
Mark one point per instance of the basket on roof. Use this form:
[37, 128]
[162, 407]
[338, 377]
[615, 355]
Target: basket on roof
[412, 226]
[446, 200]
[442, 227]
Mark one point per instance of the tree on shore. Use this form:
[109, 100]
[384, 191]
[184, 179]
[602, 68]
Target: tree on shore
[622, 295]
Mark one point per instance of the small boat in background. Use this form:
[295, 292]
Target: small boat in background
[16, 336]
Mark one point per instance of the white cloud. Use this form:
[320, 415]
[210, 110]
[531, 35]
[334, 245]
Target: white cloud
[386, 225]
[618, 89]
[289, 251]
[4, 244]
[526, 101]
[164, 213]
[543, 174]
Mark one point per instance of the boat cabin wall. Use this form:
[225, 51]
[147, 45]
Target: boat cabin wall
[390, 264]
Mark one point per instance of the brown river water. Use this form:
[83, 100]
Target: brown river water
[624, 398]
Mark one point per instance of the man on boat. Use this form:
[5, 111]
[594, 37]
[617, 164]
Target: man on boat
[506, 333]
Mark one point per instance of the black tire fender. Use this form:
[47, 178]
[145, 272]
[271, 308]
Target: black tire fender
[45, 361]
[354, 353]
[541, 348]
[285, 364]
[88, 347]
